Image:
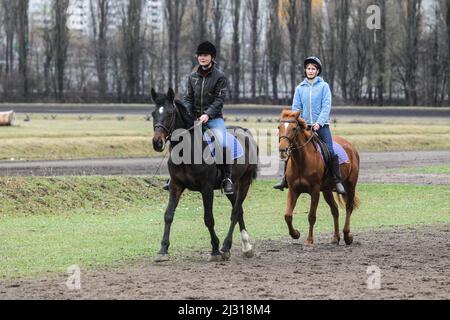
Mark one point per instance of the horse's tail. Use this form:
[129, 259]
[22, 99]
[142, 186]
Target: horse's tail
[344, 204]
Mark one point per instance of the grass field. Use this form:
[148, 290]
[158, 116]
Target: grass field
[68, 137]
[49, 224]
[426, 170]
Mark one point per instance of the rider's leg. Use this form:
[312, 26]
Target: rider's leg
[283, 182]
[219, 130]
[325, 135]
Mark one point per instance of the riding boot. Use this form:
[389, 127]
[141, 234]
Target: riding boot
[283, 183]
[167, 185]
[335, 168]
[228, 171]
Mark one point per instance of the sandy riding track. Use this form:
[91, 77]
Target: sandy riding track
[375, 167]
[414, 264]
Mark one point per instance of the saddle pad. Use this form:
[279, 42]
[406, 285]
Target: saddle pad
[232, 142]
[339, 150]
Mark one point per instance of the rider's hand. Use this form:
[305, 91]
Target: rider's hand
[316, 127]
[204, 118]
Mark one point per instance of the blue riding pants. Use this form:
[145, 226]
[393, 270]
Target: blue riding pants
[325, 134]
[219, 130]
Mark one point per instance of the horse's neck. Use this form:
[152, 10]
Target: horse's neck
[306, 155]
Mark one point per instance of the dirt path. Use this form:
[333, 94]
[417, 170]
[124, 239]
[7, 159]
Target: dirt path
[414, 264]
[373, 167]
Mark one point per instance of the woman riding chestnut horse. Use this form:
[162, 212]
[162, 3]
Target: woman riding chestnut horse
[300, 131]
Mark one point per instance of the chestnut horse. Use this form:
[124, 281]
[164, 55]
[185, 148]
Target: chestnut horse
[306, 173]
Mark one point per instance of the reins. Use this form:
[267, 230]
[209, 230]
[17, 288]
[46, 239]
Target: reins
[293, 143]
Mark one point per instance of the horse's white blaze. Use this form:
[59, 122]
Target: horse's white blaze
[161, 110]
[245, 241]
[286, 125]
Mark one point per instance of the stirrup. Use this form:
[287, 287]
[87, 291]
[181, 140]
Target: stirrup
[223, 186]
[340, 188]
[166, 187]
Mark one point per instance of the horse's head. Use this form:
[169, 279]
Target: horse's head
[164, 118]
[290, 128]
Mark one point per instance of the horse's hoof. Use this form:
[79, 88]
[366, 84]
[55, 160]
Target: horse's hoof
[162, 258]
[226, 256]
[335, 241]
[309, 243]
[348, 238]
[248, 254]
[296, 235]
[215, 258]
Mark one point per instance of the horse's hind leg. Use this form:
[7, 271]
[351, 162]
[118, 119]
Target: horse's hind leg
[175, 195]
[208, 198]
[329, 198]
[350, 205]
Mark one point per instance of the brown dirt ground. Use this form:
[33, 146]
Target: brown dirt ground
[414, 263]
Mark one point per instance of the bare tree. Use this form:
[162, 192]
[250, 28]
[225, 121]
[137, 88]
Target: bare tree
[100, 20]
[329, 50]
[131, 37]
[236, 50]
[174, 10]
[274, 44]
[447, 22]
[200, 20]
[23, 38]
[306, 27]
[293, 27]
[343, 15]
[380, 53]
[254, 17]
[60, 43]
[413, 15]
[218, 14]
[9, 21]
[48, 55]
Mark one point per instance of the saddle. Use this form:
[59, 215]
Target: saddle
[233, 144]
[326, 155]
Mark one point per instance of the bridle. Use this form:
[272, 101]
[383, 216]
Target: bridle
[293, 142]
[169, 130]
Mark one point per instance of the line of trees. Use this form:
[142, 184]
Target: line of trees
[260, 47]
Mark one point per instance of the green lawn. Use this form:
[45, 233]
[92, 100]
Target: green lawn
[425, 170]
[68, 137]
[49, 224]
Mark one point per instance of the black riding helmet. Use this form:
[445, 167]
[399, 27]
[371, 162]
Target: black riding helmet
[207, 48]
[315, 61]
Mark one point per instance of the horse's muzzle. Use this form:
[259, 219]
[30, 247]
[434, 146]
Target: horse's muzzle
[158, 144]
[284, 154]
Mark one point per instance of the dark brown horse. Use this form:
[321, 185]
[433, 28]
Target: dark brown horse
[171, 117]
[306, 173]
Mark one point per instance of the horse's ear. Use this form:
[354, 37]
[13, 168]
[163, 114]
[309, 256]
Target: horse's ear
[171, 95]
[154, 95]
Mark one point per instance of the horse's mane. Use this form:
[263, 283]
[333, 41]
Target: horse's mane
[186, 115]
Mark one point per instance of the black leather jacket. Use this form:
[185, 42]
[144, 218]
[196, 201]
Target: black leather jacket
[206, 94]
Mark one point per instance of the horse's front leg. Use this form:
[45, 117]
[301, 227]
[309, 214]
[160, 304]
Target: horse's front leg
[291, 203]
[208, 200]
[315, 196]
[175, 195]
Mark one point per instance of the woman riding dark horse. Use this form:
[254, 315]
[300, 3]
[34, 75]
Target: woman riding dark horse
[175, 123]
[206, 92]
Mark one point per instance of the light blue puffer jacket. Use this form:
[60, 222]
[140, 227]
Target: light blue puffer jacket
[314, 102]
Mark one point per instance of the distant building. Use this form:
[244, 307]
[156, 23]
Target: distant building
[79, 13]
